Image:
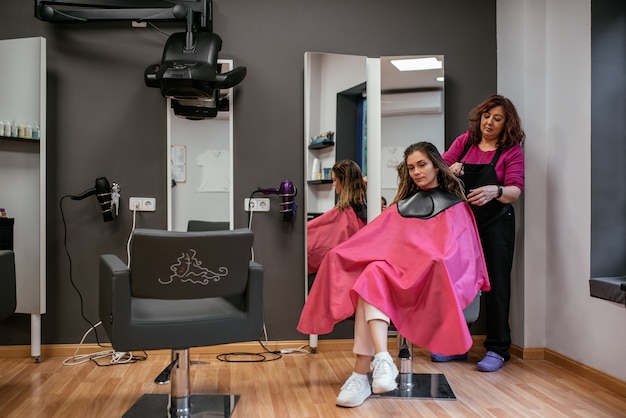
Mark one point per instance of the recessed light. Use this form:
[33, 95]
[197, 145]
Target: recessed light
[417, 64]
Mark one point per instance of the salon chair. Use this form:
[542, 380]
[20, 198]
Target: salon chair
[182, 290]
[195, 225]
[8, 298]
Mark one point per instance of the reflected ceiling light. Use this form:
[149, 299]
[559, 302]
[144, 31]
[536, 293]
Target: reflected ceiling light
[417, 64]
[439, 78]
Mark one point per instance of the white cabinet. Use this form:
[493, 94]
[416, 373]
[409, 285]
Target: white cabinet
[23, 172]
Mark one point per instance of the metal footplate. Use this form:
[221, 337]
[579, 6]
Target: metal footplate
[416, 385]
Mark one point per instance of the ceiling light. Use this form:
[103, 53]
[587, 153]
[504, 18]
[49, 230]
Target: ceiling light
[417, 64]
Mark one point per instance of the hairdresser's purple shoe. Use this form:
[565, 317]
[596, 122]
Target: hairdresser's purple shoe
[491, 362]
[440, 358]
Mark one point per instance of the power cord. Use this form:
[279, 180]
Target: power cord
[236, 357]
[293, 352]
[130, 236]
[116, 356]
[69, 258]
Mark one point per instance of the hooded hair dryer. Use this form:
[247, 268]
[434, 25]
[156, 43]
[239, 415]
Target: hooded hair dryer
[287, 192]
[103, 192]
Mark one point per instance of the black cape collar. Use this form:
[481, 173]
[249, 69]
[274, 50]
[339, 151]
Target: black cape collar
[427, 203]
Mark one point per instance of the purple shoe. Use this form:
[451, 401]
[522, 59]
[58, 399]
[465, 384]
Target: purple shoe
[440, 358]
[491, 362]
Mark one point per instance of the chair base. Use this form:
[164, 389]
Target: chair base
[420, 386]
[155, 406]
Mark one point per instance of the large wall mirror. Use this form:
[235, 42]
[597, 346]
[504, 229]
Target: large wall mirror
[373, 109]
[410, 109]
[201, 169]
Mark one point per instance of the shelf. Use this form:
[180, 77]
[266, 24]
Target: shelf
[14, 139]
[319, 181]
[322, 144]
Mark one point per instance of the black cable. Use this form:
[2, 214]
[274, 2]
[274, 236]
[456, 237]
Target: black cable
[261, 357]
[69, 258]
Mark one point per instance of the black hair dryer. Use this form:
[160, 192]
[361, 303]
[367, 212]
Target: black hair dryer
[287, 191]
[107, 197]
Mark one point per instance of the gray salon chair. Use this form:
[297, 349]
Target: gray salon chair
[196, 225]
[8, 299]
[182, 290]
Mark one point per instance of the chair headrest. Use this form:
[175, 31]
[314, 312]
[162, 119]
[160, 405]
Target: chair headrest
[189, 265]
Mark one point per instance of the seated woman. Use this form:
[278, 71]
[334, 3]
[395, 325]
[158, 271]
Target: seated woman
[342, 221]
[418, 264]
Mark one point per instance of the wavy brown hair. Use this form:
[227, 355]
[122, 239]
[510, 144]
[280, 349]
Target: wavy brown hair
[353, 187]
[445, 178]
[512, 133]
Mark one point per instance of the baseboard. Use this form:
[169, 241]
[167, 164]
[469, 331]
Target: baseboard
[571, 365]
[533, 353]
[68, 350]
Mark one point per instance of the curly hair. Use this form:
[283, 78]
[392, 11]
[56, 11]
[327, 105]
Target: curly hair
[353, 188]
[512, 133]
[445, 178]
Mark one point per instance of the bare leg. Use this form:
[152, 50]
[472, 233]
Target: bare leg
[362, 365]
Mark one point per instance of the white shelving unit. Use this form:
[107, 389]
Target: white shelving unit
[23, 173]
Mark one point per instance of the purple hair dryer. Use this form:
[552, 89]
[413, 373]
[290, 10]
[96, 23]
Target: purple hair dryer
[286, 191]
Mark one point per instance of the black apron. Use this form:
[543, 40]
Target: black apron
[477, 175]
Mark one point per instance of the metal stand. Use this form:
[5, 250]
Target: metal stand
[179, 403]
[416, 385]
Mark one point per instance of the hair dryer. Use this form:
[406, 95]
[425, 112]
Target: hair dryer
[103, 192]
[286, 191]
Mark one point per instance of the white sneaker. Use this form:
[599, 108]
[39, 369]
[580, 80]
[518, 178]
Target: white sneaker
[384, 373]
[354, 392]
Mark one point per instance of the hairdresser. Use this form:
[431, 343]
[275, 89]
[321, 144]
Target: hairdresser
[488, 158]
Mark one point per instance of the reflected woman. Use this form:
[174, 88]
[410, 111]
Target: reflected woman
[344, 219]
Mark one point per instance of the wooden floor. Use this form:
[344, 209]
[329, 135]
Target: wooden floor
[301, 386]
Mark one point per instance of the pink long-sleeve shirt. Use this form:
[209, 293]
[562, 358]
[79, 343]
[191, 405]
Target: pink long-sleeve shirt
[509, 168]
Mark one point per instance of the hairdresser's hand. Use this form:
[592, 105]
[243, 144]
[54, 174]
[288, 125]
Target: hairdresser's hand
[457, 169]
[482, 195]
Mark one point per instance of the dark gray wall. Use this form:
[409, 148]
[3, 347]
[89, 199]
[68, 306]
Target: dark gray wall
[608, 138]
[103, 121]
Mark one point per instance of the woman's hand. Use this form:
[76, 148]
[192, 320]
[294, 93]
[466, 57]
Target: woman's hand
[482, 195]
[457, 169]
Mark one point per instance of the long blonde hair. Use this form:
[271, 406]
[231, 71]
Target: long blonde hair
[353, 187]
[445, 178]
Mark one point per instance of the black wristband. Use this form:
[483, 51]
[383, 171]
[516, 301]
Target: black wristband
[499, 192]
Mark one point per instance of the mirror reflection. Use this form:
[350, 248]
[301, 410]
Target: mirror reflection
[334, 100]
[200, 176]
[412, 110]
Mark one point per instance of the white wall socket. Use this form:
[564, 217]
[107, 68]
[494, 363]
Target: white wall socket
[142, 204]
[256, 204]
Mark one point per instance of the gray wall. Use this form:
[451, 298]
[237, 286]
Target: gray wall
[103, 121]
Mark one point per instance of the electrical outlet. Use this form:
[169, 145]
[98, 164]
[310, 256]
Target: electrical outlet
[256, 204]
[142, 204]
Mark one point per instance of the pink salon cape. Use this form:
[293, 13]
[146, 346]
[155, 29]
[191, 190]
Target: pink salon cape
[422, 273]
[327, 231]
